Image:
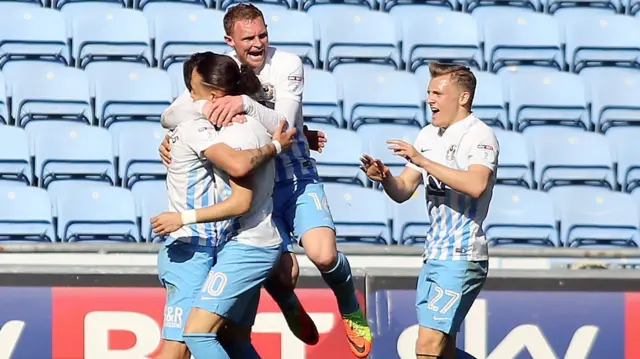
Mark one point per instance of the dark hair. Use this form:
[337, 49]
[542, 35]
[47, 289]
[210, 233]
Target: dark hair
[240, 12]
[222, 72]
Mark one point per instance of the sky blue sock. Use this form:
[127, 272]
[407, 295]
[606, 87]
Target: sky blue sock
[241, 350]
[205, 346]
[340, 281]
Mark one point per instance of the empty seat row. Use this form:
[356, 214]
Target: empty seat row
[544, 160]
[69, 151]
[349, 97]
[327, 36]
[548, 6]
[574, 217]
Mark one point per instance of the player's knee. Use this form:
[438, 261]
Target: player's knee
[173, 350]
[320, 247]
[431, 342]
[202, 321]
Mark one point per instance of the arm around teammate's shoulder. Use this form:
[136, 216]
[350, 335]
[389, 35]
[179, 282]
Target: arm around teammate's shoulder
[240, 163]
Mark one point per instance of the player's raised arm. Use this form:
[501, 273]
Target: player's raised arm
[482, 160]
[399, 188]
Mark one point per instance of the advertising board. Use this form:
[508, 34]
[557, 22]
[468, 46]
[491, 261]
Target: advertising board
[539, 323]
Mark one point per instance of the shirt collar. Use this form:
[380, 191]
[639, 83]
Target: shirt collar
[461, 126]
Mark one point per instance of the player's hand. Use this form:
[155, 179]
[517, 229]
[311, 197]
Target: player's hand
[284, 136]
[165, 151]
[407, 151]
[317, 139]
[166, 223]
[221, 111]
[374, 168]
[237, 119]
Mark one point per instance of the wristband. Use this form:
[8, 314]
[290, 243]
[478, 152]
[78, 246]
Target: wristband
[188, 217]
[277, 145]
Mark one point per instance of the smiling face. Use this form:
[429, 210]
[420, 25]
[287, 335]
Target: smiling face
[450, 93]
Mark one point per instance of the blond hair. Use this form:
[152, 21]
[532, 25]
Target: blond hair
[458, 74]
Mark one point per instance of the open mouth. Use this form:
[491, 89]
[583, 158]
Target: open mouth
[255, 55]
[434, 110]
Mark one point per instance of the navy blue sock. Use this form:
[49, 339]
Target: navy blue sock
[205, 346]
[340, 281]
[241, 350]
[283, 295]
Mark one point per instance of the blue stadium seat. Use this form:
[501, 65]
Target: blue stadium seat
[576, 158]
[25, 214]
[320, 98]
[69, 153]
[333, 6]
[473, 6]
[176, 74]
[597, 217]
[125, 93]
[552, 98]
[399, 7]
[410, 219]
[41, 90]
[519, 216]
[525, 39]
[514, 162]
[349, 34]
[15, 164]
[445, 36]
[602, 40]
[95, 212]
[489, 102]
[12, 5]
[529, 69]
[76, 7]
[151, 7]
[613, 97]
[579, 8]
[114, 35]
[375, 138]
[294, 32]
[360, 214]
[341, 161]
[179, 34]
[138, 153]
[488, 12]
[33, 32]
[151, 200]
[4, 115]
[375, 96]
[624, 141]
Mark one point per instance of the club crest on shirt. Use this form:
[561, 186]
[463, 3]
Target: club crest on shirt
[451, 153]
[268, 92]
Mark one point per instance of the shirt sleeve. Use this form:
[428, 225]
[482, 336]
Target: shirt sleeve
[484, 150]
[199, 135]
[290, 81]
[182, 109]
[269, 118]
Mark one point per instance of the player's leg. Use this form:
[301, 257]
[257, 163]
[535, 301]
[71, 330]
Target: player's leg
[236, 336]
[182, 268]
[446, 290]
[281, 284]
[313, 224]
[239, 272]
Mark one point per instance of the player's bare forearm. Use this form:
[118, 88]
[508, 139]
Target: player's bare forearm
[401, 188]
[472, 182]
[239, 163]
[237, 204]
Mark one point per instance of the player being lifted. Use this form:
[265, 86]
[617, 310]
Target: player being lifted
[186, 259]
[456, 158]
[300, 205]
